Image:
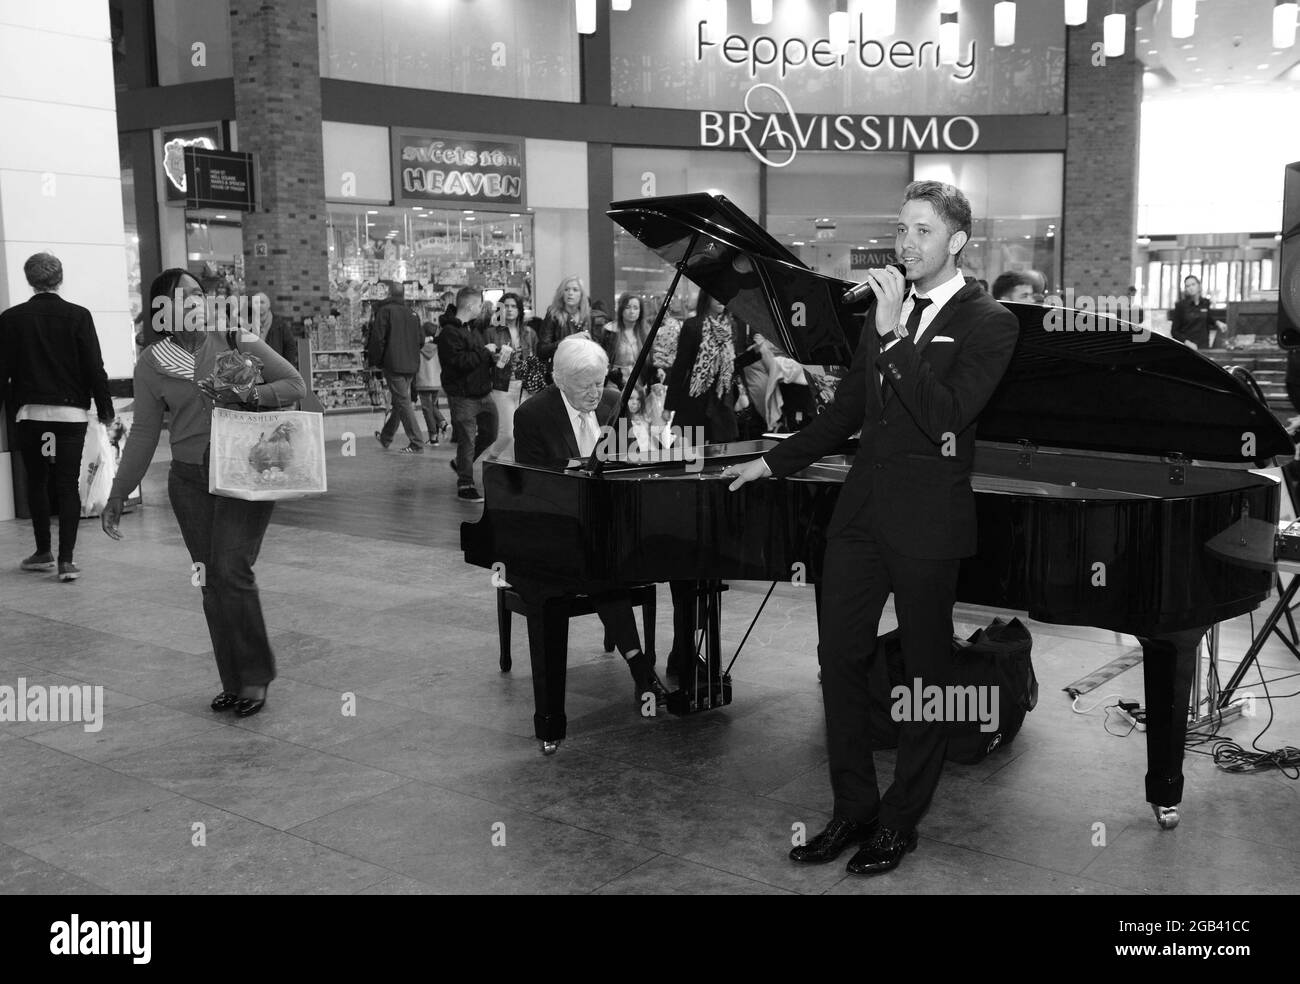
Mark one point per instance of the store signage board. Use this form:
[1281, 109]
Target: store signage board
[220, 179]
[868, 259]
[173, 141]
[458, 170]
[773, 131]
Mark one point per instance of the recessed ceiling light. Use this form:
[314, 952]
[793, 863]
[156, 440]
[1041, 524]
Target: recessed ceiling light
[372, 212]
[1153, 52]
[797, 242]
[1192, 58]
[515, 215]
[218, 216]
[1188, 46]
[1262, 67]
[468, 211]
[873, 241]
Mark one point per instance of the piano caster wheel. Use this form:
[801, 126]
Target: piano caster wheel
[1166, 816]
[550, 747]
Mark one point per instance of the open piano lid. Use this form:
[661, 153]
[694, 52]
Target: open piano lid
[1097, 390]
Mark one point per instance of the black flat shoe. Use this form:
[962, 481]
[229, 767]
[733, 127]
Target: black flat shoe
[249, 706]
[831, 842]
[883, 852]
[224, 701]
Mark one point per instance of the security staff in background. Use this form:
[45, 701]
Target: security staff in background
[932, 352]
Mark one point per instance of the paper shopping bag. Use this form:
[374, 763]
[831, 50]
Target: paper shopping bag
[279, 454]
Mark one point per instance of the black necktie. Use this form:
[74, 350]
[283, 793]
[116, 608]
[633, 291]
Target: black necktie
[914, 319]
[919, 304]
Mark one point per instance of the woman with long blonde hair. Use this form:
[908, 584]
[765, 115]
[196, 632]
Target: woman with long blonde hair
[569, 314]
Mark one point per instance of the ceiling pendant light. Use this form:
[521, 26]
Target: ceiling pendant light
[1004, 23]
[949, 6]
[1182, 18]
[584, 13]
[760, 11]
[1076, 12]
[1112, 33]
[838, 31]
[1284, 23]
[716, 16]
[620, 4]
[949, 39]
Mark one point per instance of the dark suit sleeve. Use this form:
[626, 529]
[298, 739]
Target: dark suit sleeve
[530, 439]
[841, 420]
[92, 368]
[951, 405]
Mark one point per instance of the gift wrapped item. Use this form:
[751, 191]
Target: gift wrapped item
[235, 371]
[279, 454]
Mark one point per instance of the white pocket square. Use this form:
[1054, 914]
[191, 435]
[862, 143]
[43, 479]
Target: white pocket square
[941, 338]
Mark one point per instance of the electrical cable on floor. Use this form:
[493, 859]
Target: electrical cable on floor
[1074, 705]
[1231, 757]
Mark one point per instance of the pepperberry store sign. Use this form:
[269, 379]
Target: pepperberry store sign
[458, 169]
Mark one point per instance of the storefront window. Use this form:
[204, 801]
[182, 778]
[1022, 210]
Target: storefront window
[1016, 203]
[645, 173]
[431, 252]
[193, 41]
[837, 212]
[214, 249]
[486, 48]
[129, 227]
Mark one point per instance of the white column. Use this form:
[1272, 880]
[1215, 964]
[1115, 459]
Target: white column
[60, 173]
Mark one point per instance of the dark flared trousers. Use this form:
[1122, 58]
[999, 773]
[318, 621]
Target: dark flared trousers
[225, 536]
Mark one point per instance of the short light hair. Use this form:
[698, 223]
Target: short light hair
[43, 271]
[465, 294]
[949, 204]
[574, 355]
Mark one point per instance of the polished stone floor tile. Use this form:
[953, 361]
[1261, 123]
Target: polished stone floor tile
[259, 778]
[663, 875]
[131, 730]
[186, 848]
[23, 874]
[48, 793]
[457, 844]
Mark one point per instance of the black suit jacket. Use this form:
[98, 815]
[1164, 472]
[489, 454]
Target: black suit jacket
[49, 350]
[917, 449]
[543, 434]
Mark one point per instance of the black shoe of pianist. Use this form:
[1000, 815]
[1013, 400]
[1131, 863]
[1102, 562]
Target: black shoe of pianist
[225, 701]
[838, 836]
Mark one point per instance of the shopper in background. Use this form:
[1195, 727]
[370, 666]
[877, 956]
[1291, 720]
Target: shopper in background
[569, 314]
[50, 369]
[1039, 280]
[427, 381]
[1190, 321]
[222, 535]
[701, 384]
[665, 344]
[276, 330]
[516, 342]
[468, 357]
[1013, 285]
[625, 341]
[395, 342]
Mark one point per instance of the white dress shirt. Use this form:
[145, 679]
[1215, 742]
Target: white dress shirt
[939, 296]
[575, 421]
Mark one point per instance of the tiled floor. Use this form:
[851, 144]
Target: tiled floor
[434, 783]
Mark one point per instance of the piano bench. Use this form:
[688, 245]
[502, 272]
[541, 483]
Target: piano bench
[509, 601]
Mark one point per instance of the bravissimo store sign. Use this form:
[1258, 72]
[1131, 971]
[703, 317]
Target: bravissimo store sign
[775, 137]
[458, 169]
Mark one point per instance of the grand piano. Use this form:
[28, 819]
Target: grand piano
[1113, 479]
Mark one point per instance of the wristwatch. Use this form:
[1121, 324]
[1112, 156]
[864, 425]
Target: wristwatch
[900, 332]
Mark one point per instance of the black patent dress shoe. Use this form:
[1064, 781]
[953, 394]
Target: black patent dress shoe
[224, 701]
[652, 685]
[883, 852]
[831, 842]
[248, 706]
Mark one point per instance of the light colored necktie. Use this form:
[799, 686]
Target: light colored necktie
[586, 435]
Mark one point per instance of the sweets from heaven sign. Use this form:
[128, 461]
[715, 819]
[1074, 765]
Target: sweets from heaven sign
[458, 169]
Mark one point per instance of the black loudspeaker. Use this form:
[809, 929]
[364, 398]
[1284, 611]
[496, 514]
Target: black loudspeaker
[1288, 279]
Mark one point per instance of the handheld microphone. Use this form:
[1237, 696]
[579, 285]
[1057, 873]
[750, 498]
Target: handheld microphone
[859, 291]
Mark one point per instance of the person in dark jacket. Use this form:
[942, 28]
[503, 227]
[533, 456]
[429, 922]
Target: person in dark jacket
[276, 330]
[1190, 321]
[701, 383]
[468, 359]
[395, 343]
[569, 314]
[50, 369]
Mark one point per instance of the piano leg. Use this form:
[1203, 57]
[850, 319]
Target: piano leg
[548, 649]
[1168, 665]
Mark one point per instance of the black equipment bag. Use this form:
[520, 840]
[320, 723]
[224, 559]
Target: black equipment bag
[996, 656]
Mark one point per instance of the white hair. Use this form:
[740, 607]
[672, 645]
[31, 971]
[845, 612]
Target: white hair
[573, 355]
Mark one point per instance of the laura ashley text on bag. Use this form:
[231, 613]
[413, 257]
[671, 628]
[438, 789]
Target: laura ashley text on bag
[277, 454]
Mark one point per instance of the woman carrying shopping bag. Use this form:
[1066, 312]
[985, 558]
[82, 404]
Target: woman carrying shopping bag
[222, 534]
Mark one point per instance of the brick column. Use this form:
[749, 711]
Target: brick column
[1103, 105]
[276, 60]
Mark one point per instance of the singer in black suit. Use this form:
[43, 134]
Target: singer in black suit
[561, 423]
[933, 350]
